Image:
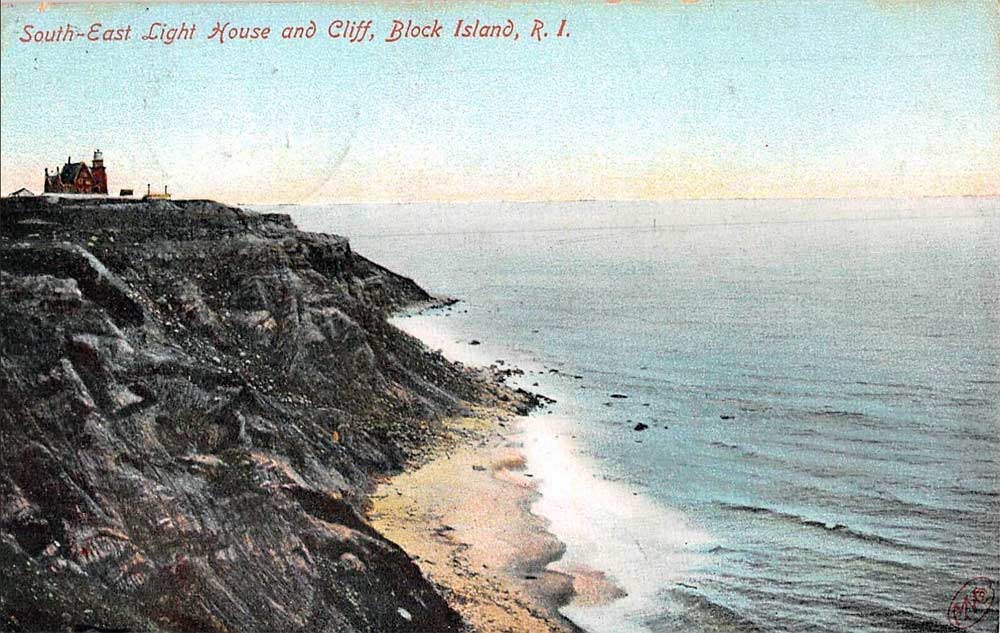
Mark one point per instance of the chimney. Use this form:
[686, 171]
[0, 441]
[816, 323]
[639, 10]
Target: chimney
[68, 160]
[147, 189]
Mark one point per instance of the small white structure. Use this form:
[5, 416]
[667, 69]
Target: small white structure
[22, 193]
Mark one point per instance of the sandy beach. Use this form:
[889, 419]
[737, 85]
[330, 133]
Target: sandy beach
[464, 517]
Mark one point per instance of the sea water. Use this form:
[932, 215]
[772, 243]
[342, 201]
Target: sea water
[820, 382]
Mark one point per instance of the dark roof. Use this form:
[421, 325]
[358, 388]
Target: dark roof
[70, 171]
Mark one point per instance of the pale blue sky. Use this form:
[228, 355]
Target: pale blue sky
[733, 98]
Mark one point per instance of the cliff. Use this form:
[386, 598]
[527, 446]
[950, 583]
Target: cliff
[196, 400]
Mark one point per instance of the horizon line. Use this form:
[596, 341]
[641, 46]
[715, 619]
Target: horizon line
[820, 198]
[874, 198]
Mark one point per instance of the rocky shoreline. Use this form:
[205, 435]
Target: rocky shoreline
[198, 400]
[465, 517]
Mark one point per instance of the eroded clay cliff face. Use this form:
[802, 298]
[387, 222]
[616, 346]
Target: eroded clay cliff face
[195, 399]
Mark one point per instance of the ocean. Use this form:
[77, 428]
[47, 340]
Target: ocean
[819, 382]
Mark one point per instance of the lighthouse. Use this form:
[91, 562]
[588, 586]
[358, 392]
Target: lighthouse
[100, 176]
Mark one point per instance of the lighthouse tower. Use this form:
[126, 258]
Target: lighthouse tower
[100, 176]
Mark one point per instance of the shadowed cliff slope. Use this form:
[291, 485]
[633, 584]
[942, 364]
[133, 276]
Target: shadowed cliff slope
[195, 400]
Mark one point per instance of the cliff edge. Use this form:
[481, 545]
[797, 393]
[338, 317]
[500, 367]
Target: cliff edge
[196, 399]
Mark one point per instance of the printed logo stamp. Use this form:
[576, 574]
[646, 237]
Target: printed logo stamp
[972, 602]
